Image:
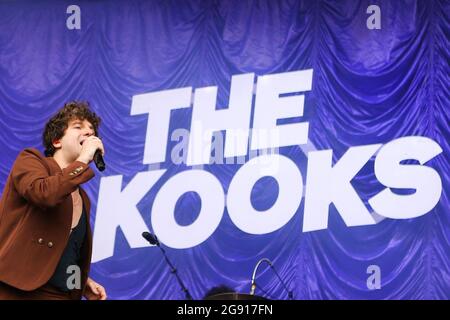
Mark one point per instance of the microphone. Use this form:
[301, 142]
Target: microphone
[150, 238]
[253, 286]
[98, 160]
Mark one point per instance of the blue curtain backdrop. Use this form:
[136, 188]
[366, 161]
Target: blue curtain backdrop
[369, 86]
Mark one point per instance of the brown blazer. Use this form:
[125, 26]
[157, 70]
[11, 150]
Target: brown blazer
[35, 219]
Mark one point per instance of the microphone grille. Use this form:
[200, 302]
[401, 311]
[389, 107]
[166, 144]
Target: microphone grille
[149, 237]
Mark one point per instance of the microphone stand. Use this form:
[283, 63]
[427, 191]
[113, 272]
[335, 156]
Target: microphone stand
[253, 287]
[174, 271]
[290, 295]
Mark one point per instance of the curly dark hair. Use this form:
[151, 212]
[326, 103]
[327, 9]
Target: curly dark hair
[57, 125]
[209, 295]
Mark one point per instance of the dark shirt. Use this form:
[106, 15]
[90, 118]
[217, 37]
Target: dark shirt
[71, 256]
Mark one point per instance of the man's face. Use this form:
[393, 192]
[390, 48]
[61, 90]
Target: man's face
[70, 144]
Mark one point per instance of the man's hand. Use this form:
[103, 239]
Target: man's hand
[90, 145]
[94, 291]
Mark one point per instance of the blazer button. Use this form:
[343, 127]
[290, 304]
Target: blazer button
[50, 244]
[40, 241]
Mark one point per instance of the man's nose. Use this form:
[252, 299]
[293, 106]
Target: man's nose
[89, 132]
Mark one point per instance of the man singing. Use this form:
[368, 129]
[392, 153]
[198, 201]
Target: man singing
[45, 236]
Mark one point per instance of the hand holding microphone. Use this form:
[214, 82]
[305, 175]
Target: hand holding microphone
[92, 149]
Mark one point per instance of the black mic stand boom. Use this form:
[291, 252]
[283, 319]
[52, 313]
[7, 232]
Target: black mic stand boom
[154, 241]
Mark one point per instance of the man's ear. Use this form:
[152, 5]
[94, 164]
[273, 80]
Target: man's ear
[57, 143]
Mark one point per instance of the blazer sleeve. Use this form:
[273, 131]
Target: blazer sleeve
[33, 182]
